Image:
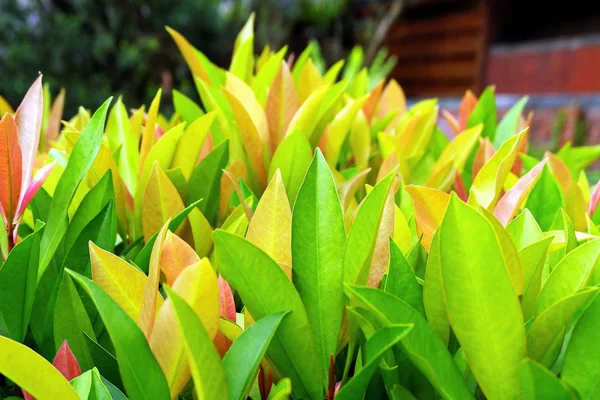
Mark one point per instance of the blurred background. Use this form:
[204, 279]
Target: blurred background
[434, 48]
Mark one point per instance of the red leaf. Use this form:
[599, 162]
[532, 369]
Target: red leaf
[459, 187]
[227, 304]
[10, 168]
[65, 362]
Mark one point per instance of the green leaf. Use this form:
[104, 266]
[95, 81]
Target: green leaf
[104, 361]
[265, 76]
[32, 372]
[375, 348]
[483, 309]
[545, 199]
[102, 230]
[205, 364]
[433, 293]
[71, 322]
[534, 259]
[18, 277]
[269, 292]
[205, 182]
[282, 390]
[122, 141]
[90, 386]
[581, 366]
[362, 238]
[485, 113]
[84, 152]
[423, 348]
[572, 273]
[401, 280]
[524, 230]
[140, 372]
[142, 260]
[510, 122]
[243, 358]
[545, 335]
[186, 107]
[539, 383]
[318, 237]
[292, 158]
[91, 205]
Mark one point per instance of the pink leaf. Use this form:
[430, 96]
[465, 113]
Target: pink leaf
[29, 123]
[35, 185]
[509, 204]
[594, 200]
[227, 304]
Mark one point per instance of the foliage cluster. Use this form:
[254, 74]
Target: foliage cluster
[295, 235]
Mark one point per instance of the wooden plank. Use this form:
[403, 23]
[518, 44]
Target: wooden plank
[437, 70]
[446, 46]
[470, 21]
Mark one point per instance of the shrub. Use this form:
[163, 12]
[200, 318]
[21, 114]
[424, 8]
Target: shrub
[296, 235]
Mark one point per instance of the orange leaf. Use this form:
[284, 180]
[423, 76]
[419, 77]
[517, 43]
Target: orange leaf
[509, 204]
[10, 168]
[454, 125]
[56, 112]
[391, 99]
[467, 105]
[484, 153]
[189, 54]
[176, 255]
[369, 107]
[227, 303]
[282, 104]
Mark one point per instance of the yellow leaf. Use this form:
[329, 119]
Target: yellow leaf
[310, 80]
[238, 169]
[338, 130]
[381, 252]
[5, 107]
[201, 231]
[33, 373]
[189, 54]
[490, 180]
[360, 140]
[176, 255]
[430, 207]
[161, 202]
[282, 104]
[392, 98]
[402, 236]
[197, 285]
[189, 146]
[416, 128]
[271, 226]
[305, 119]
[455, 153]
[148, 307]
[120, 280]
[137, 121]
[253, 129]
[148, 135]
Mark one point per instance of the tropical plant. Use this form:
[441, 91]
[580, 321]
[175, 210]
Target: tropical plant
[295, 235]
